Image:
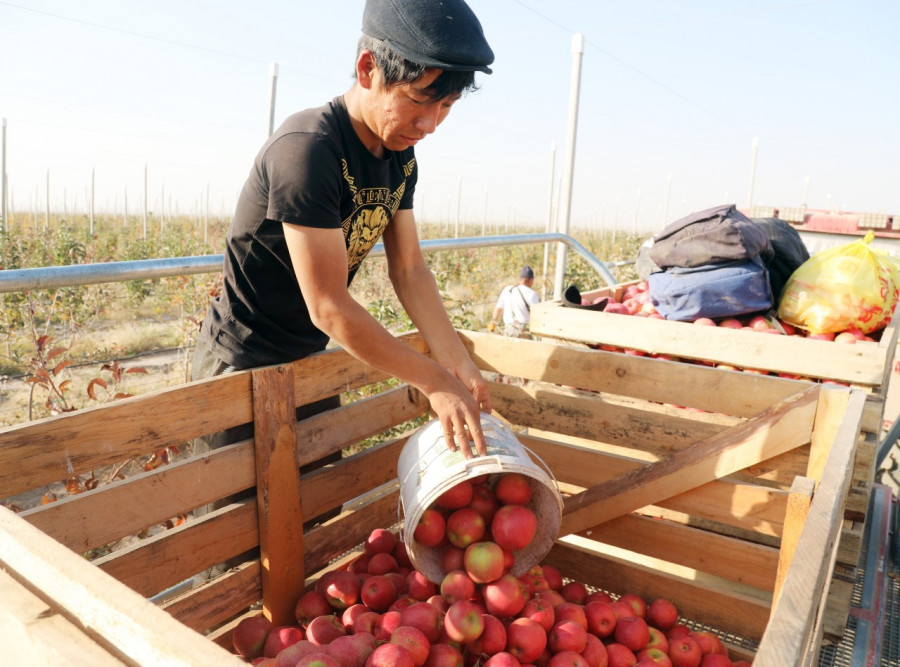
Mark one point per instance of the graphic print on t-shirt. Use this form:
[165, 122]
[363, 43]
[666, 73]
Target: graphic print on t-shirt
[373, 209]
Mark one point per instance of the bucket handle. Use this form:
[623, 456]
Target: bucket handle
[401, 510]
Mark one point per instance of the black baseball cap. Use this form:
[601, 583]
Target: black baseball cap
[526, 272]
[444, 34]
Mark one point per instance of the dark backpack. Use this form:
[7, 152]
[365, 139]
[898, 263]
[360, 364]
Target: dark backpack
[714, 236]
[789, 252]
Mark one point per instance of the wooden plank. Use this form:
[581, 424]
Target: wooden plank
[701, 550]
[32, 633]
[593, 416]
[858, 364]
[120, 618]
[829, 415]
[799, 501]
[217, 600]
[794, 614]
[52, 449]
[278, 492]
[126, 507]
[737, 394]
[779, 429]
[331, 431]
[55, 448]
[159, 562]
[728, 501]
[725, 605]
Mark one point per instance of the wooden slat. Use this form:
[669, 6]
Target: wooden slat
[590, 416]
[795, 614]
[799, 501]
[218, 600]
[702, 550]
[331, 431]
[32, 633]
[737, 394]
[126, 507]
[122, 620]
[748, 506]
[725, 605]
[783, 427]
[278, 492]
[159, 562]
[859, 364]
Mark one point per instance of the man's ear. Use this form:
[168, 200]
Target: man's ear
[365, 69]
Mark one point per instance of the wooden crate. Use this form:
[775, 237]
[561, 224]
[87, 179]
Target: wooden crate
[707, 504]
[868, 366]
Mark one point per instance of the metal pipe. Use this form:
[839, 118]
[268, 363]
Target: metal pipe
[52, 277]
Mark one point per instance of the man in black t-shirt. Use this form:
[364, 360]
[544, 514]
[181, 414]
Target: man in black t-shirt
[325, 187]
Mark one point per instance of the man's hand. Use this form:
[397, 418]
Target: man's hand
[460, 414]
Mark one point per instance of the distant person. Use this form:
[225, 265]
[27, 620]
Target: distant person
[325, 187]
[515, 304]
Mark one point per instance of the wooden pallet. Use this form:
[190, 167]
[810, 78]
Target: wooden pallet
[724, 505]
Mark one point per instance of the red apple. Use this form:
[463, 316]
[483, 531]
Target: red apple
[359, 565]
[504, 597]
[378, 592]
[569, 611]
[381, 563]
[616, 308]
[553, 576]
[350, 614]
[731, 323]
[484, 501]
[320, 659]
[456, 497]
[637, 603]
[658, 640]
[708, 642]
[483, 562]
[401, 555]
[463, 621]
[419, 587]
[365, 621]
[654, 656]
[503, 659]
[541, 612]
[845, 337]
[390, 655]
[457, 585]
[684, 652]
[568, 659]
[464, 527]
[601, 618]
[551, 596]
[632, 632]
[323, 629]
[526, 640]
[513, 527]
[430, 529]
[414, 641]
[452, 558]
[444, 655]
[662, 614]
[622, 609]
[598, 596]
[311, 604]
[380, 540]
[567, 636]
[280, 638]
[492, 639]
[826, 335]
[619, 655]
[678, 630]
[341, 588]
[425, 617]
[716, 660]
[574, 591]
[249, 636]
[292, 654]
[513, 488]
[705, 322]
[351, 650]
[595, 652]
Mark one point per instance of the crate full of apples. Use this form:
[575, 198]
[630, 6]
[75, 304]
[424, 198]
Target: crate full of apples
[379, 611]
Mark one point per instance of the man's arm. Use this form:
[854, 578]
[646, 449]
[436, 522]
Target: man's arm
[319, 257]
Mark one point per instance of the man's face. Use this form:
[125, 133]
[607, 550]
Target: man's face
[402, 115]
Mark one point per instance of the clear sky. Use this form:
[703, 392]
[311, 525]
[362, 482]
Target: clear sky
[673, 93]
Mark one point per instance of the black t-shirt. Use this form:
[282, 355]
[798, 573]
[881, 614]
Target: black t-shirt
[313, 171]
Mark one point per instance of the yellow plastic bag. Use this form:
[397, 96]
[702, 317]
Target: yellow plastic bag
[850, 286]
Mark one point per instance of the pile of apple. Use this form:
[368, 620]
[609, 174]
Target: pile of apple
[379, 611]
[636, 301]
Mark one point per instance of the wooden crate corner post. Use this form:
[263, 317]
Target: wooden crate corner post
[278, 492]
